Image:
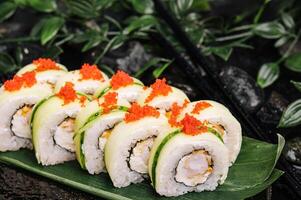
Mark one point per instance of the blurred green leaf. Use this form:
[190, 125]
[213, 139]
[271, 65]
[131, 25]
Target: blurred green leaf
[152, 62]
[52, 52]
[268, 74]
[88, 9]
[7, 9]
[19, 56]
[293, 62]
[50, 28]
[281, 41]
[222, 52]
[297, 85]
[7, 63]
[179, 7]
[116, 42]
[287, 20]
[159, 70]
[36, 30]
[106, 69]
[270, 30]
[292, 115]
[143, 6]
[43, 5]
[142, 23]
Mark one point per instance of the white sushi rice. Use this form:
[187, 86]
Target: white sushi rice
[163, 102]
[14, 127]
[94, 144]
[219, 114]
[180, 146]
[123, 138]
[54, 145]
[87, 86]
[48, 76]
[130, 92]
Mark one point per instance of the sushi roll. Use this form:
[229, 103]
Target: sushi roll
[86, 80]
[126, 86]
[128, 147]
[186, 159]
[161, 96]
[218, 116]
[47, 70]
[90, 140]
[17, 99]
[52, 123]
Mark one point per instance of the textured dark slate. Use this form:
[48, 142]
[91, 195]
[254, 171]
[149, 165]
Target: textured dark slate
[18, 184]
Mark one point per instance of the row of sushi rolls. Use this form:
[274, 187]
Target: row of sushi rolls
[118, 126]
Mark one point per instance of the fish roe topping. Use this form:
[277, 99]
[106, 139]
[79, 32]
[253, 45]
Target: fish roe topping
[137, 112]
[44, 64]
[67, 93]
[200, 106]
[110, 102]
[192, 126]
[28, 79]
[82, 100]
[90, 72]
[159, 88]
[121, 79]
[175, 112]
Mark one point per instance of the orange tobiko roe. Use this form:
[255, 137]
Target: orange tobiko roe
[90, 72]
[192, 126]
[28, 79]
[137, 112]
[121, 79]
[44, 64]
[67, 93]
[158, 88]
[110, 101]
[175, 112]
[82, 100]
[200, 106]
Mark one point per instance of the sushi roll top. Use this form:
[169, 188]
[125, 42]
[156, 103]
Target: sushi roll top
[161, 95]
[47, 70]
[86, 80]
[127, 87]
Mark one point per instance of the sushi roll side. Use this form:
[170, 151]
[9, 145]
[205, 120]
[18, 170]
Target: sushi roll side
[86, 80]
[127, 149]
[97, 120]
[183, 160]
[17, 99]
[217, 115]
[52, 123]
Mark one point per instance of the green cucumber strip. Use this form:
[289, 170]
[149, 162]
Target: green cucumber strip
[157, 154]
[82, 156]
[104, 91]
[83, 94]
[37, 106]
[140, 84]
[123, 108]
[216, 133]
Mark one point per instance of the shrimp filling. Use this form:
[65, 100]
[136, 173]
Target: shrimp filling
[194, 168]
[63, 135]
[20, 122]
[103, 139]
[140, 155]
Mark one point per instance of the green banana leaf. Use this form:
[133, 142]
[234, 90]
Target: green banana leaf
[252, 173]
